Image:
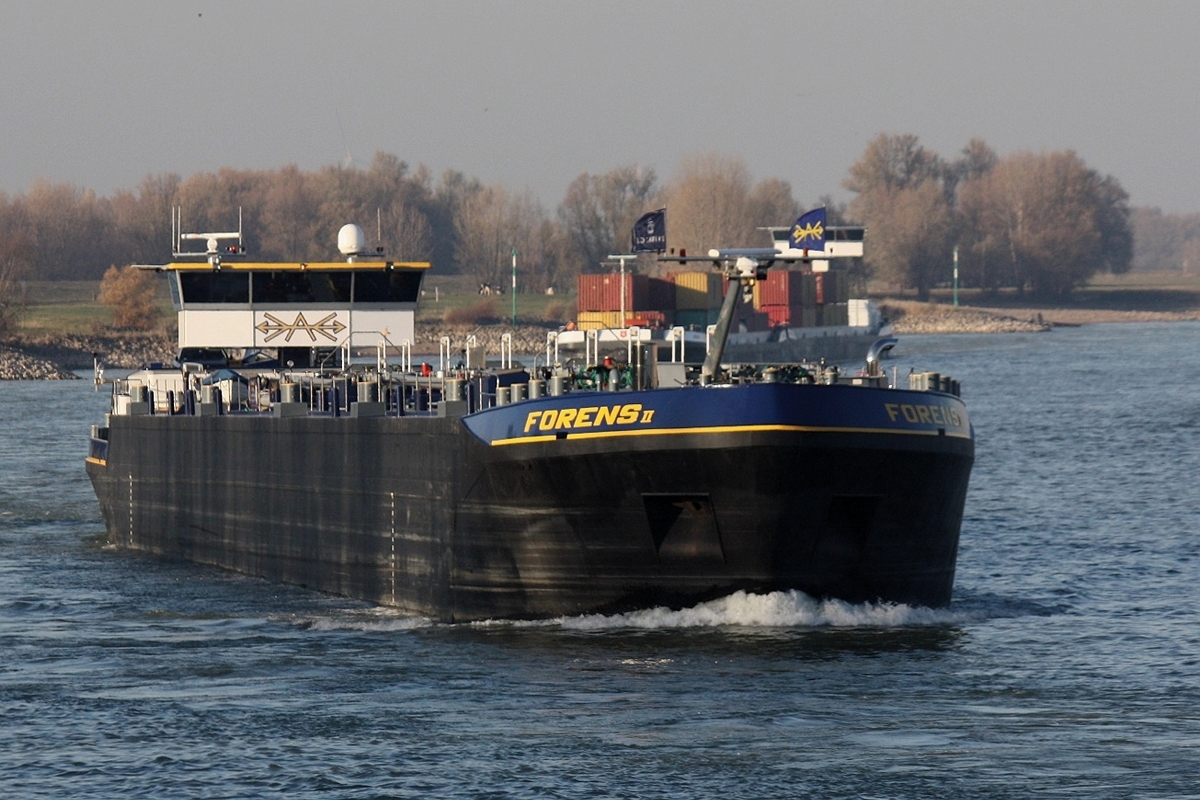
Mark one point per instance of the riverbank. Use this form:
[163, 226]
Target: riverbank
[50, 357]
[911, 317]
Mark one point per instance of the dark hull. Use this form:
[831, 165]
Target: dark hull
[423, 514]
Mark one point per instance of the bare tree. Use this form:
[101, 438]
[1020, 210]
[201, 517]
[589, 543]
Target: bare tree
[1160, 240]
[772, 204]
[69, 224]
[1046, 222]
[408, 232]
[481, 235]
[290, 217]
[140, 231]
[598, 213]
[911, 236]
[903, 200]
[893, 161]
[708, 204]
[1189, 256]
[16, 248]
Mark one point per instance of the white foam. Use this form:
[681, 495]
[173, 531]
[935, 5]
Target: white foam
[790, 609]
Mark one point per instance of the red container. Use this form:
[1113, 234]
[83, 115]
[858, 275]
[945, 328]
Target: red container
[603, 292]
[793, 316]
[782, 288]
[778, 316]
[820, 287]
[648, 319]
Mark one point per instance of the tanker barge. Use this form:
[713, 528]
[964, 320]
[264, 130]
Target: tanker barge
[467, 490]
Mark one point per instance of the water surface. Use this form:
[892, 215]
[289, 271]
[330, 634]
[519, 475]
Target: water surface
[1067, 665]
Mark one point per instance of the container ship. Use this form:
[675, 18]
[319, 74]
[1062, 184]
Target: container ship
[474, 488]
[803, 312]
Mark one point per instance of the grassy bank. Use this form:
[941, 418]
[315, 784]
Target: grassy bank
[1166, 293]
[71, 308]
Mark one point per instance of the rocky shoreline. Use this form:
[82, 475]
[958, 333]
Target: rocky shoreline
[54, 357]
[914, 317]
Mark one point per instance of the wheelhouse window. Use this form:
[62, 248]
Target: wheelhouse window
[391, 286]
[293, 286]
[214, 287]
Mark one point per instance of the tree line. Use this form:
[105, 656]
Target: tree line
[1038, 222]
[1165, 241]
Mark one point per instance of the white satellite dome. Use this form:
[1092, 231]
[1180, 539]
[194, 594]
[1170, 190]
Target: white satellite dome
[351, 240]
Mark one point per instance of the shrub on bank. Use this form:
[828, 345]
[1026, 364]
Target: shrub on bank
[486, 311]
[129, 294]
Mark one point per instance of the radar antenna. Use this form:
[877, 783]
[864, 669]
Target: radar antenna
[212, 241]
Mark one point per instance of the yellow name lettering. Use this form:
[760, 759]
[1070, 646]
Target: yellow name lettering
[566, 417]
[629, 414]
[924, 414]
[549, 417]
[584, 420]
[533, 417]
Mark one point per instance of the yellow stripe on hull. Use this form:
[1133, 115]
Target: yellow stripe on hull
[710, 430]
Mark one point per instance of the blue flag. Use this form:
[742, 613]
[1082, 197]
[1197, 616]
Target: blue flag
[650, 232]
[809, 231]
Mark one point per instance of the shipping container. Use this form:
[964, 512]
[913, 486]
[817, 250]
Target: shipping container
[808, 290]
[649, 319]
[660, 294]
[836, 287]
[603, 292]
[836, 314]
[791, 316]
[599, 320]
[751, 321]
[779, 316]
[697, 290]
[783, 288]
[859, 313]
[696, 318]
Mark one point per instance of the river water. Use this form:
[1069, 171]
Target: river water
[1068, 664]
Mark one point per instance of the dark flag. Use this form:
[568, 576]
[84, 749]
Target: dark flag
[809, 231]
[650, 232]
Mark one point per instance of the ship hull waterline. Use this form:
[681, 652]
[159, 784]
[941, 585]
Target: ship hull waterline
[488, 516]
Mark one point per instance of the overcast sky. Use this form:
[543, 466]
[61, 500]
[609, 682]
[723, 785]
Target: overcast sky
[530, 94]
